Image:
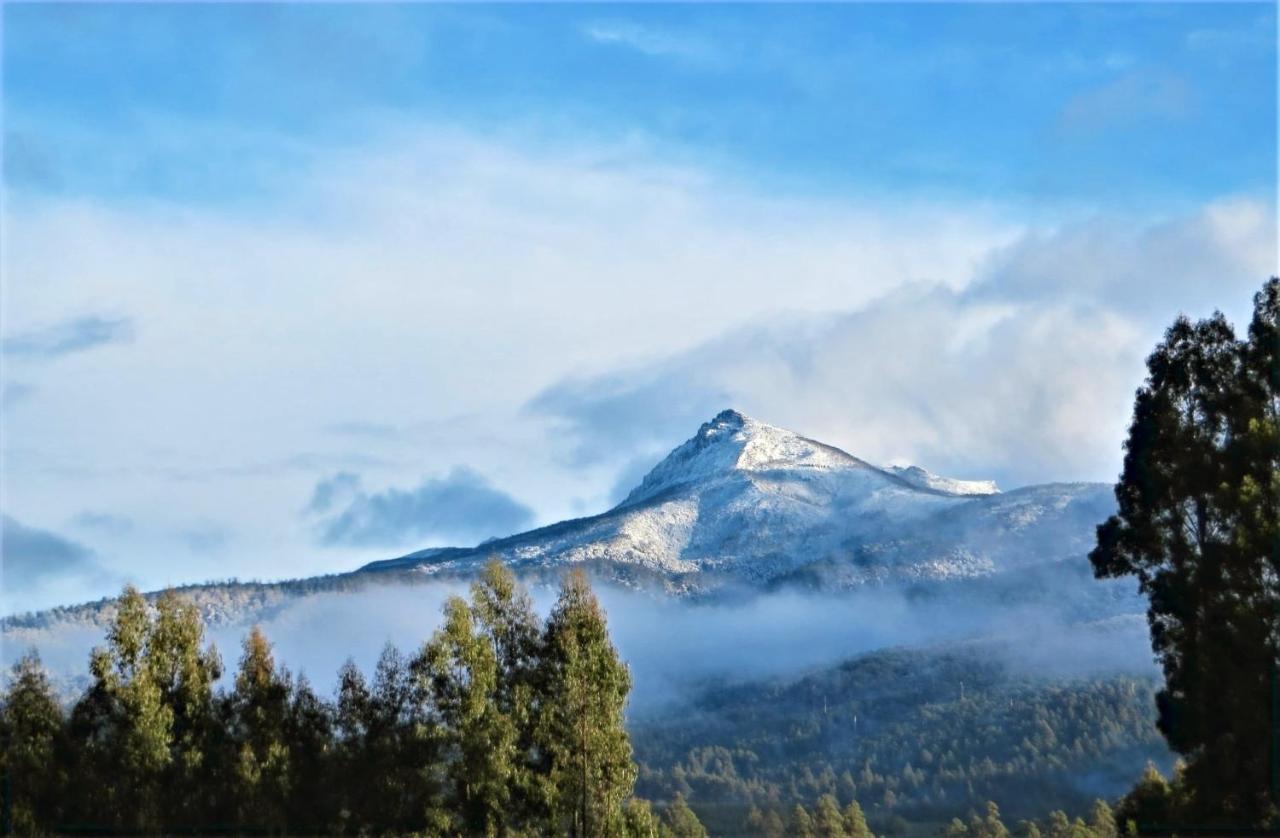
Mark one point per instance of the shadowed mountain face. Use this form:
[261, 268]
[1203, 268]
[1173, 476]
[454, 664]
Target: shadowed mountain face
[746, 502]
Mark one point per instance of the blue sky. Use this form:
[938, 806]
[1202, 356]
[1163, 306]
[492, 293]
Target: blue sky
[1126, 105]
[466, 268]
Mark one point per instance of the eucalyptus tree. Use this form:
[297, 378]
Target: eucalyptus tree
[1197, 525]
[587, 772]
[31, 733]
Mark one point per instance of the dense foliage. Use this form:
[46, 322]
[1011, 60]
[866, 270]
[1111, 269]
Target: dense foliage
[499, 725]
[1199, 526]
[909, 734]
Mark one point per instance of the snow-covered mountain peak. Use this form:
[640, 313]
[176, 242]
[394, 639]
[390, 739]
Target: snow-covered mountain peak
[733, 442]
[748, 501]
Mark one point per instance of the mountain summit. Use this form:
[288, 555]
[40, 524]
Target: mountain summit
[734, 442]
[746, 501]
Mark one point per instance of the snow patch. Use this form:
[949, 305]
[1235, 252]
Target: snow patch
[917, 476]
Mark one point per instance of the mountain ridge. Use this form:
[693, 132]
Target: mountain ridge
[742, 500]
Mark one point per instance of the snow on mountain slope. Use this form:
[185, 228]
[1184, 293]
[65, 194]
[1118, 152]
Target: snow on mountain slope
[731, 443]
[743, 500]
[917, 476]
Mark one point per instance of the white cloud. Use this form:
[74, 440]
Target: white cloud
[1214, 257]
[1026, 375]
[1016, 393]
[434, 283]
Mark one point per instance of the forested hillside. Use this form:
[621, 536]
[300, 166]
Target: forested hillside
[914, 734]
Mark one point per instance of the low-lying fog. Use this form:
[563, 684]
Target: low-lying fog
[670, 644]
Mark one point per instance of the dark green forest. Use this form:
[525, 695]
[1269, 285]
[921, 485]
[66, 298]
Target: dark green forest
[500, 724]
[913, 735]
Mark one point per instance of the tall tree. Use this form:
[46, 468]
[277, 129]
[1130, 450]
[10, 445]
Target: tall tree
[989, 826]
[1028, 829]
[31, 778]
[357, 811]
[640, 821]
[1197, 526]
[1102, 821]
[460, 671]
[503, 613]
[185, 669]
[402, 746]
[123, 729]
[828, 822]
[386, 752]
[767, 824]
[1149, 802]
[259, 707]
[1059, 825]
[587, 770]
[801, 824]
[679, 821]
[774, 827]
[312, 806]
[855, 822]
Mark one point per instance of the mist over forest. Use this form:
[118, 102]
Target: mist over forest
[673, 645]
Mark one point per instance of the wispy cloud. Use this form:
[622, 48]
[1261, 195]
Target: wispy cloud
[367, 430]
[654, 41]
[104, 522]
[1256, 35]
[205, 538]
[67, 337]
[33, 558]
[599, 418]
[1138, 98]
[462, 505]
